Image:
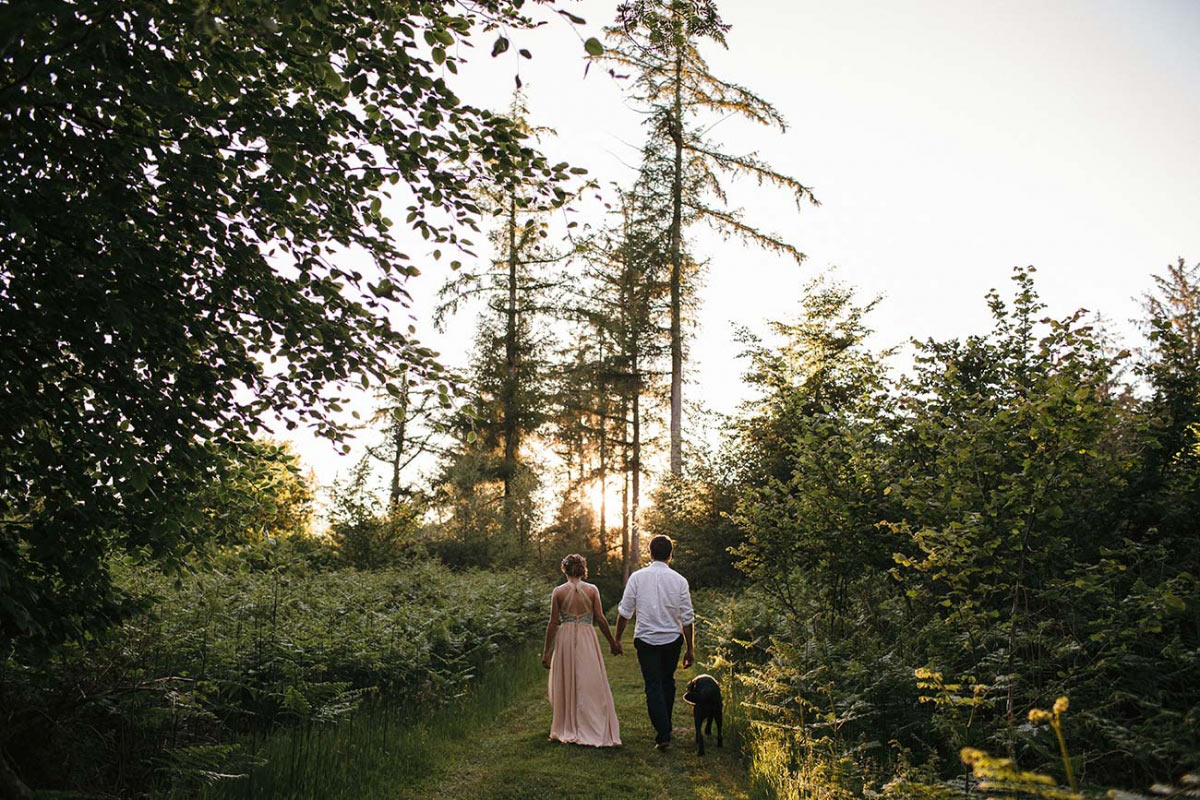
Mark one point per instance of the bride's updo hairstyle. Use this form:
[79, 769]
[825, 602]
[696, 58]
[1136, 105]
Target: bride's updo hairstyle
[574, 566]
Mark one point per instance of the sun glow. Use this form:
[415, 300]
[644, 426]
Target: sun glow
[608, 496]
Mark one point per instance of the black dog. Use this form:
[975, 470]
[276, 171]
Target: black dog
[704, 693]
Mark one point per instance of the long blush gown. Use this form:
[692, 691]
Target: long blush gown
[578, 689]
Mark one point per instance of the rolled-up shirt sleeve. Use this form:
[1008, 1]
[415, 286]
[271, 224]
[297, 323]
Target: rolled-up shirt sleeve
[628, 600]
[686, 614]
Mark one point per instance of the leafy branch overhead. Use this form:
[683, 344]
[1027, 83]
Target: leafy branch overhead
[184, 185]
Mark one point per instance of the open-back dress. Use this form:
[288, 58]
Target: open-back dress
[578, 690]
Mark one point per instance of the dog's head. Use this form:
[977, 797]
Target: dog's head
[701, 690]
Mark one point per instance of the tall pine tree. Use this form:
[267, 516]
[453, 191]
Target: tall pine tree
[656, 41]
[516, 287]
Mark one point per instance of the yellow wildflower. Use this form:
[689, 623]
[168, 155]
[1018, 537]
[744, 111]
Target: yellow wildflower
[1039, 716]
[970, 755]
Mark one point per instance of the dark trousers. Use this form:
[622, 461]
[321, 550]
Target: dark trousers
[658, 663]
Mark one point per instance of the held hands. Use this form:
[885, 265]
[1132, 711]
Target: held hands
[689, 658]
[615, 647]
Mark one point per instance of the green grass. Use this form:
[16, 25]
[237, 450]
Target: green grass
[493, 745]
[510, 758]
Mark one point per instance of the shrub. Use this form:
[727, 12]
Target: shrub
[223, 654]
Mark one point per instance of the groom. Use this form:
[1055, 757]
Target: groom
[665, 623]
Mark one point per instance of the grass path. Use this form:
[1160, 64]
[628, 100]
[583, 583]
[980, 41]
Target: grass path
[509, 757]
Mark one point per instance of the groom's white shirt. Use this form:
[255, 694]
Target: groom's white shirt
[662, 601]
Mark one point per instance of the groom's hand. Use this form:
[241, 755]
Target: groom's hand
[616, 648]
[689, 658]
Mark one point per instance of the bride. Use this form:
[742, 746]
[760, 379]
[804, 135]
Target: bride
[578, 690]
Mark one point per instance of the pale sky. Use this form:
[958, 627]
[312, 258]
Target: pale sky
[947, 141]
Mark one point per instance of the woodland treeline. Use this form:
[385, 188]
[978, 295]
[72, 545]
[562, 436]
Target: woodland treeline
[912, 565]
[936, 557]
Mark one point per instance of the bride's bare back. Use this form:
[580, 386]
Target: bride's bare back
[576, 598]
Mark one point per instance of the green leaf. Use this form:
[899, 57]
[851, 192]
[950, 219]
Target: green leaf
[593, 47]
[499, 46]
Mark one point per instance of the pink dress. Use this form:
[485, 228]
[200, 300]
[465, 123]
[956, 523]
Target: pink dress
[578, 690]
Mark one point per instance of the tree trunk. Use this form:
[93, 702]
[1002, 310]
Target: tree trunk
[399, 424]
[624, 527]
[603, 500]
[629, 332]
[676, 130]
[509, 402]
[636, 467]
[603, 454]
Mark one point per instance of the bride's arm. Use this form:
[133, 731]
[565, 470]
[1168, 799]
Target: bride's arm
[598, 615]
[551, 628]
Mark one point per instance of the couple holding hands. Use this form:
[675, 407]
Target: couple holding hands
[579, 693]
